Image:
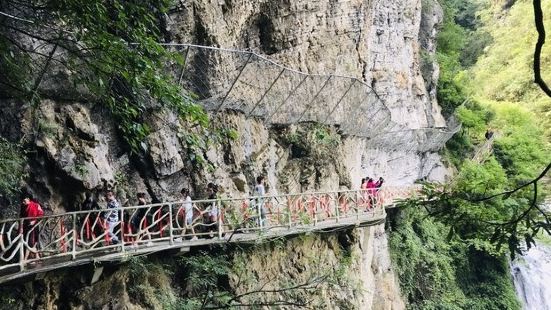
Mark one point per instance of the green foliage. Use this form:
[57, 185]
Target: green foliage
[504, 72]
[520, 149]
[520, 152]
[312, 140]
[459, 46]
[113, 51]
[11, 61]
[475, 119]
[437, 272]
[475, 44]
[450, 42]
[149, 281]
[486, 224]
[127, 62]
[12, 168]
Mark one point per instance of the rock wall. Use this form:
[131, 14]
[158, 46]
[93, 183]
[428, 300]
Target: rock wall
[385, 43]
[381, 42]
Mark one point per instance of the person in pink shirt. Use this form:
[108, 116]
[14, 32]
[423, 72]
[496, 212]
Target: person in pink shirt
[371, 190]
[371, 186]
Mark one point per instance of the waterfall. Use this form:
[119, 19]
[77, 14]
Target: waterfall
[532, 275]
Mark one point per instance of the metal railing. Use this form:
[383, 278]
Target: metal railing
[46, 240]
[227, 79]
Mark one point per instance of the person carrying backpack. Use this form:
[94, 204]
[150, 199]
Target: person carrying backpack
[112, 215]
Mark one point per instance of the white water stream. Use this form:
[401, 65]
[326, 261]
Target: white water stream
[532, 275]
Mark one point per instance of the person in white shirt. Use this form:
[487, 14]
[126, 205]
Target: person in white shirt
[188, 212]
[260, 191]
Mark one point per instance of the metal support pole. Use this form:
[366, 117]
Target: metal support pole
[290, 214]
[313, 99]
[338, 207]
[75, 236]
[183, 66]
[269, 118]
[170, 227]
[339, 102]
[267, 91]
[259, 212]
[315, 213]
[234, 82]
[358, 118]
[357, 209]
[219, 219]
[122, 228]
[21, 246]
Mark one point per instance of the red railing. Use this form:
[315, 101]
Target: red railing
[86, 233]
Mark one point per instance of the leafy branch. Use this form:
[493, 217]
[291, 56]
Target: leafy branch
[110, 49]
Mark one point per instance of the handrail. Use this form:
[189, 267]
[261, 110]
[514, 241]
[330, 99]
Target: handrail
[224, 199]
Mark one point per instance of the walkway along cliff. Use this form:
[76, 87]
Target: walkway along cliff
[77, 238]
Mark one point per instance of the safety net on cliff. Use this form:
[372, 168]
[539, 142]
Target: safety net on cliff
[224, 79]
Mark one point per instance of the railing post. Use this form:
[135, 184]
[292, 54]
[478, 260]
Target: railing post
[121, 224]
[22, 246]
[219, 218]
[358, 197]
[75, 236]
[290, 216]
[170, 226]
[259, 212]
[337, 207]
[315, 213]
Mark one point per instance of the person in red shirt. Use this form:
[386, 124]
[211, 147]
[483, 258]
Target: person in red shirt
[31, 210]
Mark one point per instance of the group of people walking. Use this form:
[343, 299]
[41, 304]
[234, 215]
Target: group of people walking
[138, 223]
[371, 185]
[145, 222]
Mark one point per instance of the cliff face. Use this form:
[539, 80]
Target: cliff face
[379, 41]
[385, 43]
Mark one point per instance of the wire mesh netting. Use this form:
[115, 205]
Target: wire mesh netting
[224, 79]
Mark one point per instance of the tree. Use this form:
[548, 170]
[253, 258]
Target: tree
[477, 208]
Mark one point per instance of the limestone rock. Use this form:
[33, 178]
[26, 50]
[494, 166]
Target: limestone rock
[164, 149]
